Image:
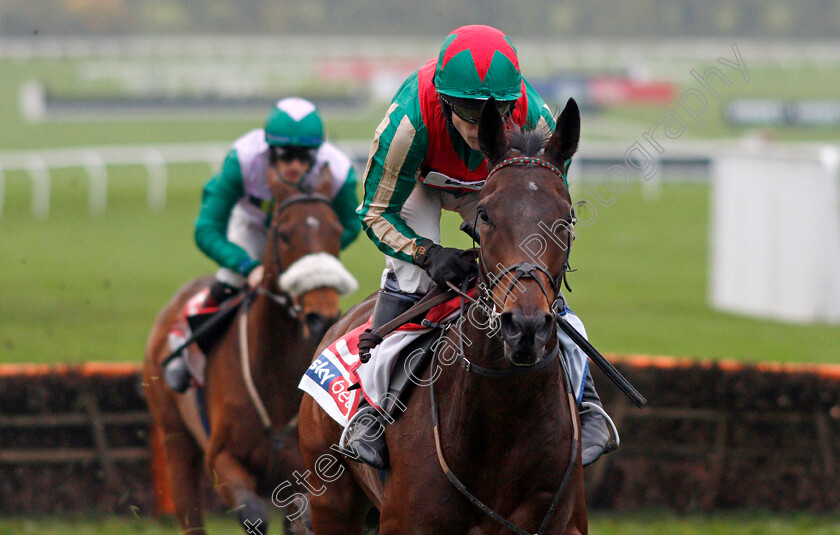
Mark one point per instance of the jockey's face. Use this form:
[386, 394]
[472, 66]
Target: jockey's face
[466, 112]
[294, 162]
[468, 131]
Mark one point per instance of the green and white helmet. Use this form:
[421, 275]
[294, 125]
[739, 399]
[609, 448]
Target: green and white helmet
[294, 122]
[478, 62]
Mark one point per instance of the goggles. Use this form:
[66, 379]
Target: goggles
[305, 155]
[470, 110]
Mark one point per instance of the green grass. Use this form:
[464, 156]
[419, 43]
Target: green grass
[644, 523]
[78, 287]
[743, 523]
[81, 287]
[642, 287]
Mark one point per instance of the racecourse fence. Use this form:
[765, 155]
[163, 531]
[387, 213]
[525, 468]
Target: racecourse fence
[715, 436]
[685, 162]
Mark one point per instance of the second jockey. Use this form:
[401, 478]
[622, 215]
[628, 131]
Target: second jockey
[236, 204]
[425, 158]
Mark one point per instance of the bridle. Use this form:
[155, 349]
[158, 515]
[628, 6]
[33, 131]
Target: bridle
[528, 270]
[282, 297]
[516, 272]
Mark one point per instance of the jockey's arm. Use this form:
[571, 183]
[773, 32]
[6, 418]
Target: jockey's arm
[217, 200]
[344, 203]
[389, 179]
[539, 114]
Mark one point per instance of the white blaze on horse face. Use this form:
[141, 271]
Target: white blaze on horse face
[532, 186]
[312, 223]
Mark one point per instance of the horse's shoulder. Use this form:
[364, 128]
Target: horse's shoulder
[355, 316]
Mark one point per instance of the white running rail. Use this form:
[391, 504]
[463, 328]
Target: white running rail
[96, 161]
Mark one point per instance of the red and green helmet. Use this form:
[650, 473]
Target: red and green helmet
[478, 62]
[294, 122]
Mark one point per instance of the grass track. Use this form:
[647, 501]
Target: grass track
[641, 523]
[80, 287]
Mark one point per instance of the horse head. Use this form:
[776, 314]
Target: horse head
[302, 253]
[525, 220]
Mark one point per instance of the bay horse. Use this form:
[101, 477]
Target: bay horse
[252, 441]
[496, 451]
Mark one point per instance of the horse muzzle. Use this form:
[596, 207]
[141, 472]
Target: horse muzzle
[317, 326]
[525, 336]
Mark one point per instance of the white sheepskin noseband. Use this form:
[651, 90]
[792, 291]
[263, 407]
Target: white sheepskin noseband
[318, 270]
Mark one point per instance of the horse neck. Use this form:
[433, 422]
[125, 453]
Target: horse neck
[274, 340]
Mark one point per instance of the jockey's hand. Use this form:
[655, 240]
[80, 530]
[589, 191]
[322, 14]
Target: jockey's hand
[256, 276]
[443, 264]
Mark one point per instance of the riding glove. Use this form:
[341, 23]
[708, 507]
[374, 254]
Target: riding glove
[443, 264]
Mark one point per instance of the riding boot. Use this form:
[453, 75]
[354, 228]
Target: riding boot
[364, 438]
[176, 373]
[365, 434]
[598, 432]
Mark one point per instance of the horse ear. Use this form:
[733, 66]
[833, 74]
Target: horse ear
[324, 186]
[279, 188]
[491, 133]
[564, 141]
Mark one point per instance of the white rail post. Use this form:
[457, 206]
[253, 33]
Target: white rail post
[156, 167]
[2, 189]
[97, 182]
[40, 175]
[652, 187]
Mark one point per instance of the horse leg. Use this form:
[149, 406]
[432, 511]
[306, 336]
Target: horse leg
[183, 466]
[341, 507]
[579, 523]
[183, 456]
[237, 487]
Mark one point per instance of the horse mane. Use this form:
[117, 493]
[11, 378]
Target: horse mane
[528, 142]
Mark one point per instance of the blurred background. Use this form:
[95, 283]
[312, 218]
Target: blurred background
[708, 165]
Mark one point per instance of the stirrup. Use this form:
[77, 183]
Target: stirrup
[614, 441]
[176, 373]
[377, 449]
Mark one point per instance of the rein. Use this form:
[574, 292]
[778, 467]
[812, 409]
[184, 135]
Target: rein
[506, 373]
[515, 272]
[277, 439]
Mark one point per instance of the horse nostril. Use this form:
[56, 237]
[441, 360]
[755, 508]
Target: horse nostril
[510, 328]
[544, 331]
[314, 321]
[317, 324]
[518, 328]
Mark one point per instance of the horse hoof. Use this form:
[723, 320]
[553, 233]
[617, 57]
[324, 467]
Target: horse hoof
[253, 516]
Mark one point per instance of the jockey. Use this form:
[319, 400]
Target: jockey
[236, 204]
[424, 158]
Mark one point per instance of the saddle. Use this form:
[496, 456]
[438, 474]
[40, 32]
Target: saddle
[199, 327]
[339, 377]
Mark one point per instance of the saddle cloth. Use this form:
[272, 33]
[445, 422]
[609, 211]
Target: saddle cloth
[338, 367]
[194, 314]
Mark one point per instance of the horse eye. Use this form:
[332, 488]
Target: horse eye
[482, 215]
[282, 236]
